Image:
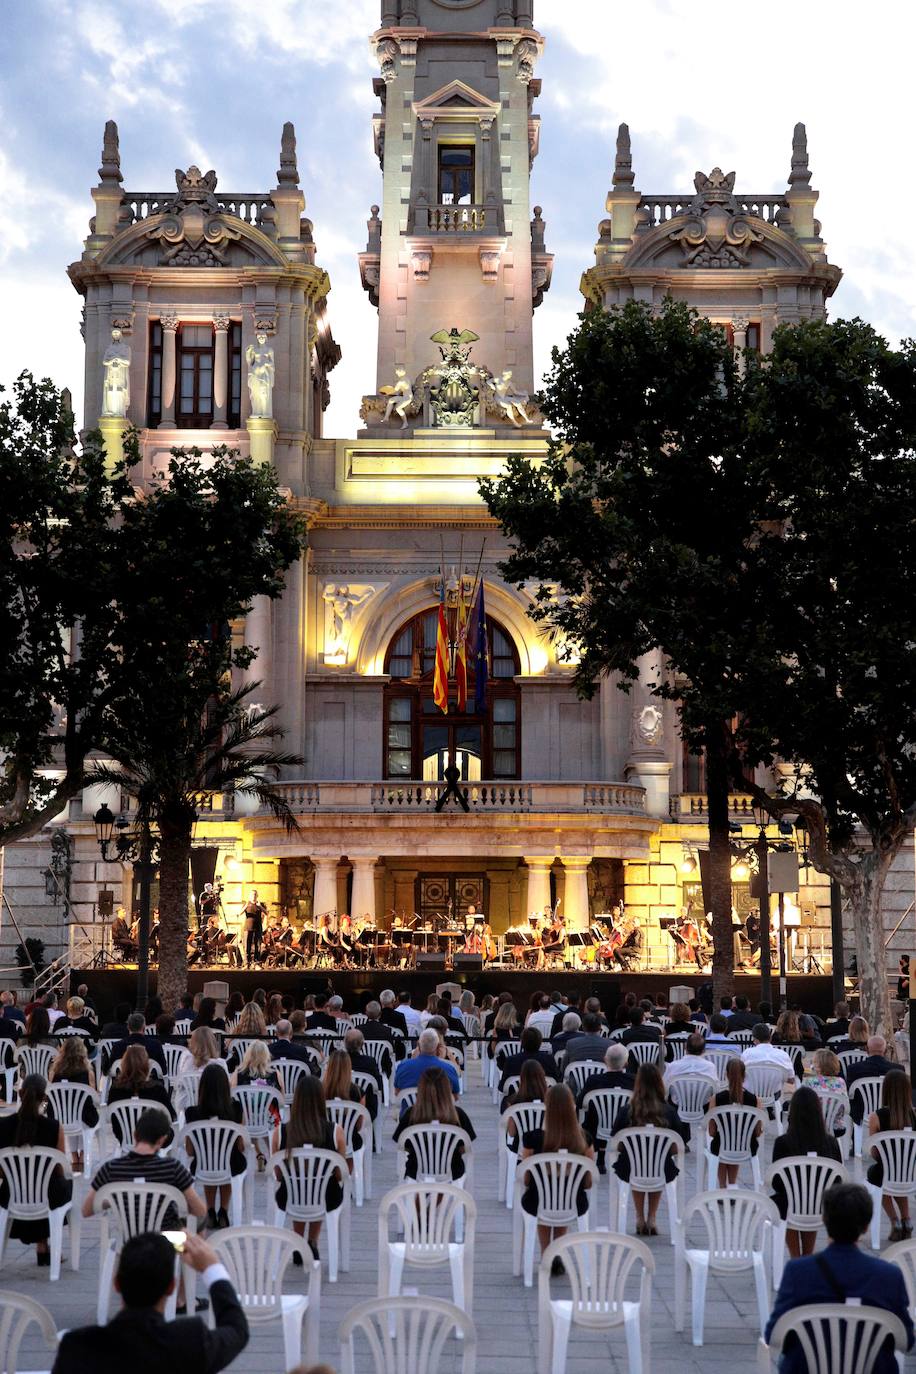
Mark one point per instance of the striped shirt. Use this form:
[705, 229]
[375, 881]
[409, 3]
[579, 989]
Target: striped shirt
[135, 1168]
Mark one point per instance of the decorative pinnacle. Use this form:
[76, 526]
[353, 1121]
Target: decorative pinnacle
[110, 169]
[800, 173]
[623, 162]
[288, 175]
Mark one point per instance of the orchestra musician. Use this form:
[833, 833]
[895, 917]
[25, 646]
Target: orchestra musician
[345, 939]
[686, 935]
[253, 914]
[327, 944]
[208, 903]
[121, 935]
[553, 941]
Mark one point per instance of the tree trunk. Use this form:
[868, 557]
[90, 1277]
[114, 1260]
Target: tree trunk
[720, 864]
[174, 860]
[864, 897]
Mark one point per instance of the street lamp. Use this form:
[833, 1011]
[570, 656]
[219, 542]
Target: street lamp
[134, 846]
[104, 827]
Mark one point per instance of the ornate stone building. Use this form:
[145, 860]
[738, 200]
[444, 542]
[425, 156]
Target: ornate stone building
[222, 308]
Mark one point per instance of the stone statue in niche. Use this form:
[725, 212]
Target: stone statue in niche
[647, 725]
[116, 384]
[400, 396]
[260, 362]
[509, 400]
[341, 602]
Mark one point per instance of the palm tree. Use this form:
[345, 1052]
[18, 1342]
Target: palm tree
[171, 762]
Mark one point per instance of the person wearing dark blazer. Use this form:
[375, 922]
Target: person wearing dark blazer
[589, 1043]
[531, 1043]
[874, 1065]
[284, 1047]
[742, 1018]
[390, 1016]
[139, 1338]
[839, 1273]
[137, 1035]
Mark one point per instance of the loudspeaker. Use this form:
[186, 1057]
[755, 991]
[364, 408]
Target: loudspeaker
[432, 963]
[470, 963]
[106, 901]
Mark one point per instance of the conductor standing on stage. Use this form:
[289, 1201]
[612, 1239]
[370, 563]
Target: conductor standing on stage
[254, 912]
[452, 777]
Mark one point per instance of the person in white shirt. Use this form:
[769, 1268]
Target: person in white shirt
[54, 1014]
[410, 1015]
[542, 1016]
[765, 1054]
[693, 1062]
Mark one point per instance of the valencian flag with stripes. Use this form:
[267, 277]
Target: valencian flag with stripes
[461, 652]
[440, 675]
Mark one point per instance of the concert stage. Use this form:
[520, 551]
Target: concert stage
[118, 983]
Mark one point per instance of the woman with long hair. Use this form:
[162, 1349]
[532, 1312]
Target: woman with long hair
[895, 1114]
[338, 1084]
[29, 1126]
[207, 1017]
[71, 1065]
[532, 1087]
[648, 1107]
[734, 1094]
[234, 1007]
[134, 1080]
[37, 1027]
[435, 1101]
[216, 1103]
[251, 1020]
[309, 1125]
[505, 1027]
[256, 1069]
[203, 1048]
[561, 1131]
[805, 1134]
[275, 1010]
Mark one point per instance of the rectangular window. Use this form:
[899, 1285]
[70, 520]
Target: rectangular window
[505, 738]
[399, 738]
[154, 400]
[456, 174]
[234, 418]
[753, 337]
[195, 376]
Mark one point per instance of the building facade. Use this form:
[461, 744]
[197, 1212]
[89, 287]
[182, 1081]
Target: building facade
[222, 311]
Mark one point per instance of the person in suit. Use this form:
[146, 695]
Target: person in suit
[875, 1065]
[589, 1043]
[531, 1043]
[390, 1016]
[572, 1026]
[284, 1047]
[321, 1019]
[375, 1029]
[742, 1018]
[641, 1031]
[139, 1338]
[136, 1035]
[840, 1272]
[116, 1029]
[364, 1063]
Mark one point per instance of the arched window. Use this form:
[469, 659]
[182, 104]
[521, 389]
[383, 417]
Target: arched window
[420, 741]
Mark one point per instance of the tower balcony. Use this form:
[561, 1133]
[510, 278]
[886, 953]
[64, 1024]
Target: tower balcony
[456, 221]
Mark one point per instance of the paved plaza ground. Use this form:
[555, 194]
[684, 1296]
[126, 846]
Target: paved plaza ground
[505, 1312]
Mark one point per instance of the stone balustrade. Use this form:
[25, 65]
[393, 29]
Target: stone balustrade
[455, 219]
[247, 206]
[686, 804]
[660, 209]
[482, 796]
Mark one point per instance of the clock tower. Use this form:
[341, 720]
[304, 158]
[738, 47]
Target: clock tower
[455, 243]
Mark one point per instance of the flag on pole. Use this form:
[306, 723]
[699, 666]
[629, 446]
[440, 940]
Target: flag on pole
[481, 655]
[461, 651]
[440, 675]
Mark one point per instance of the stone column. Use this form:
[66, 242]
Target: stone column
[220, 370]
[169, 322]
[262, 433]
[405, 890]
[575, 896]
[739, 333]
[325, 898]
[259, 635]
[538, 896]
[648, 765]
[362, 900]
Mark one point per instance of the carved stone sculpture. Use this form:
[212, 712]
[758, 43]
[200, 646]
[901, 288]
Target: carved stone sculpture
[400, 397]
[647, 725]
[260, 362]
[716, 235]
[193, 232]
[116, 384]
[341, 602]
[509, 400]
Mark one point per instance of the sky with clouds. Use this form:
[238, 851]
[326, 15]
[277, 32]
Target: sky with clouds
[212, 83]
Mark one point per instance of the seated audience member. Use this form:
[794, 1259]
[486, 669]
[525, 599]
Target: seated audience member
[29, 1125]
[875, 1065]
[828, 1082]
[76, 1019]
[134, 1080]
[734, 1094]
[789, 1031]
[589, 1043]
[321, 1018]
[641, 1031]
[692, 1063]
[805, 1134]
[215, 1102]
[146, 1160]
[540, 1013]
[592, 1007]
[185, 1013]
[532, 1087]
[203, 1049]
[139, 1338]
[410, 1014]
[37, 1027]
[71, 1065]
[895, 1114]
[561, 1131]
[338, 1085]
[571, 1026]
[615, 1075]
[55, 1015]
[742, 1018]
[284, 1047]
[206, 1017]
[532, 1048]
[842, 1273]
[309, 1125]
[857, 1036]
[763, 1054]
[504, 1027]
[435, 1102]
[648, 1107]
[360, 1062]
[10, 1011]
[429, 1054]
[137, 1035]
[257, 1069]
[838, 1023]
[719, 1030]
[390, 1015]
[374, 1028]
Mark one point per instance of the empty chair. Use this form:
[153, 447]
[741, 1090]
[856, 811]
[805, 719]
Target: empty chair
[130, 1209]
[738, 1227]
[893, 1174]
[766, 1083]
[868, 1091]
[27, 1171]
[305, 1175]
[736, 1128]
[822, 1329]
[212, 1144]
[354, 1120]
[647, 1150]
[35, 1059]
[257, 1258]
[557, 1181]
[17, 1314]
[366, 1084]
[383, 1054]
[525, 1116]
[67, 1103]
[805, 1179]
[429, 1216]
[405, 1337]
[903, 1254]
[599, 1267]
[644, 1052]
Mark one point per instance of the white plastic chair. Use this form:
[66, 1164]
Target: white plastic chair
[213, 1143]
[599, 1267]
[429, 1214]
[290, 1071]
[358, 1018]
[645, 1052]
[738, 1228]
[66, 1102]
[766, 1082]
[849, 1057]
[27, 1170]
[701, 1027]
[527, 1116]
[896, 1152]
[237, 1046]
[257, 1258]
[306, 1172]
[8, 1065]
[806, 1179]
[742, 1038]
[405, 1337]
[869, 1090]
[557, 1178]
[903, 1254]
[824, 1329]
[690, 1093]
[256, 1101]
[174, 1054]
[382, 1051]
[677, 1044]
[131, 1209]
[126, 1113]
[366, 1083]
[17, 1313]
[504, 1049]
[736, 1127]
[836, 1117]
[472, 1028]
[577, 1074]
[352, 1117]
[434, 1144]
[647, 1148]
[35, 1059]
[719, 1057]
[608, 1104]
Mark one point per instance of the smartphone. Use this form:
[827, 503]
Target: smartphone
[177, 1239]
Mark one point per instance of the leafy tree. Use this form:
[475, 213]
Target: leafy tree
[645, 514]
[833, 433]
